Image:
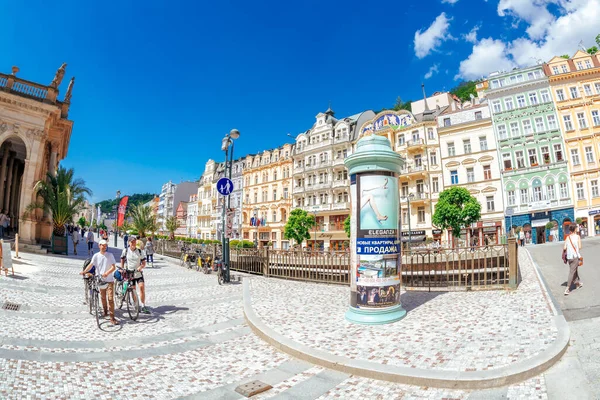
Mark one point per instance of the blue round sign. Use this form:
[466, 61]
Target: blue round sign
[225, 186]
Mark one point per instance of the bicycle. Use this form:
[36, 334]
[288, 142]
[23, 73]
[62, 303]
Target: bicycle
[125, 292]
[220, 272]
[96, 282]
[206, 264]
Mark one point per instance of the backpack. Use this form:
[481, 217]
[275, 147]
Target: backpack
[124, 253]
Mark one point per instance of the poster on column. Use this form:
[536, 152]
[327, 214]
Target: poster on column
[377, 258]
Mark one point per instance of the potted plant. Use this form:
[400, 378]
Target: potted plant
[61, 197]
[549, 227]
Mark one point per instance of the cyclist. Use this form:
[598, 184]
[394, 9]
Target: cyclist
[105, 266]
[133, 260]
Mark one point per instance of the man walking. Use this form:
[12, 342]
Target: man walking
[89, 238]
[125, 239]
[75, 239]
[105, 266]
[134, 261]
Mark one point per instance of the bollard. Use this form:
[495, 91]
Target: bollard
[17, 245]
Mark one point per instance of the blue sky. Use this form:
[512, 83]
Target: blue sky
[158, 84]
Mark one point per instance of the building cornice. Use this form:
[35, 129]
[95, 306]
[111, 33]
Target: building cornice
[482, 123]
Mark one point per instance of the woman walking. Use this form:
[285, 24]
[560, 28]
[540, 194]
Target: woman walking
[149, 248]
[573, 247]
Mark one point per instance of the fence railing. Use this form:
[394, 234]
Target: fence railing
[463, 268]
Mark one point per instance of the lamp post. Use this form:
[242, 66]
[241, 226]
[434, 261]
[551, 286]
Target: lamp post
[116, 227]
[315, 238]
[227, 141]
[408, 198]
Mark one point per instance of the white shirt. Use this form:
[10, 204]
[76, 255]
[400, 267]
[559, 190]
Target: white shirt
[573, 245]
[133, 258]
[103, 262]
[75, 236]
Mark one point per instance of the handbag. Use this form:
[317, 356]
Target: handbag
[580, 261]
[565, 252]
[564, 256]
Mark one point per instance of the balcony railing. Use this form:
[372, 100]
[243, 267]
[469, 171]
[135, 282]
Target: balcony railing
[420, 196]
[338, 161]
[319, 207]
[299, 189]
[326, 142]
[341, 183]
[414, 169]
[415, 142]
[341, 206]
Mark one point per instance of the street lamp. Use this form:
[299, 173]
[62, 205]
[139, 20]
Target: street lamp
[315, 238]
[408, 199]
[115, 227]
[227, 141]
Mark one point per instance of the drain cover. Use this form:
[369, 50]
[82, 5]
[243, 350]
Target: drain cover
[251, 388]
[11, 306]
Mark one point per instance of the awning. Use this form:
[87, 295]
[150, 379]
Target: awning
[413, 239]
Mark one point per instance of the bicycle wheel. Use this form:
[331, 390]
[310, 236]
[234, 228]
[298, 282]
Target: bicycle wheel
[181, 260]
[86, 291]
[119, 296]
[97, 307]
[220, 276]
[133, 306]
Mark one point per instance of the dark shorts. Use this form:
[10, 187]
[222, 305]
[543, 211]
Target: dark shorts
[136, 280]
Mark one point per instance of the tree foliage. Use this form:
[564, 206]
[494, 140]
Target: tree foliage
[592, 50]
[171, 224]
[82, 222]
[298, 226]
[456, 209]
[62, 196]
[598, 40]
[464, 90]
[565, 56]
[347, 223]
[108, 206]
[401, 105]
[142, 219]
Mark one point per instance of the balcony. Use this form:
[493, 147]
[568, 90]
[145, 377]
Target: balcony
[421, 170]
[341, 183]
[338, 161]
[298, 169]
[420, 197]
[415, 144]
[341, 206]
[534, 168]
[313, 146]
[318, 207]
[299, 189]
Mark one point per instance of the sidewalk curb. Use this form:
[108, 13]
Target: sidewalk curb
[507, 375]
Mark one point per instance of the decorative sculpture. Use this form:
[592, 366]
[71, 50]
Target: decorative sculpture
[69, 90]
[60, 73]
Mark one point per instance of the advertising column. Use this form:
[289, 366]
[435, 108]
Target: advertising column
[375, 233]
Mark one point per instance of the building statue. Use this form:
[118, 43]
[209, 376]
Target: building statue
[60, 73]
[69, 90]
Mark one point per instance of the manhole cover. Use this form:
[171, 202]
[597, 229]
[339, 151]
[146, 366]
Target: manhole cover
[251, 388]
[11, 306]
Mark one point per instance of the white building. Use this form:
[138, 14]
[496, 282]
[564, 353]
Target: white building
[207, 202]
[192, 217]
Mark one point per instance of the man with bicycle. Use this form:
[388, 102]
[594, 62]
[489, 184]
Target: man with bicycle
[105, 266]
[133, 260]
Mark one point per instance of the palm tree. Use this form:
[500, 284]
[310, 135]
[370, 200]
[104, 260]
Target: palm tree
[61, 196]
[142, 219]
[171, 224]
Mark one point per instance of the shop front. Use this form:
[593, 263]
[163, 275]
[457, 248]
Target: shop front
[413, 238]
[534, 224]
[594, 223]
[437, 236]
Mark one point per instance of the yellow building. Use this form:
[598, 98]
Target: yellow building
[575, 84]
[267, 196]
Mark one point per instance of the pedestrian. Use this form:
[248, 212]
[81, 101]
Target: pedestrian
[125, 240]
[75, 239]
[105, 267]
[134, 261]
[3, 218]
[522, 237]
[149, 251]
[89, 238]
[574, 258]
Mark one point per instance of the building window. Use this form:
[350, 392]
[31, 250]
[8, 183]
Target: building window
[545, 96]
[524, 196]
[507, 161]
[418, 161]
[594, 186]
[574, 92]
[589, 154]
[537, 193]
[508, 103]
[451, 150]
[420, 186]
[560, 95]
[579, 65]
[562, 187]
[511, 197]
[521, 101]
[435, 184]
[558, 155]
[470, 175]
[595, 118]
[564, 68]
[527, 129]
[533, 98]
[514, 129]
[415, 136]
[568, 122]
[551, 122]
[545, 150]
[274, 194]
[533, 161]
[588, 64]
[285, 193]
[487, 172]
[430, 134]
[501, 132]
[421, 215]
[539, 124]
[581, 120]
[483, 143]
[495, 106]
[490, 203]
[519, 156]
[467, 146]
[404, 217]
[401, 139]
[454, 177]
[478, 115]
[588, 90]
[580, 191]
[575, 157]
[446, 121]
[404, 189]
[551, 192]
[555, 70]
[433, 158]
[597, 86]
[274, 216]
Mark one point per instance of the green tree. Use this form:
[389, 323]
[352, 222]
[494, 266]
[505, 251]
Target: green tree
[464, 90]
[456, 209]
[142, 219]
[401, 105]
[171, 224]
[347, 223]
[598, 40]
[102, 226]
[298, 226]
[62, 196]
[134, 199]
[592, 50]
[565, 56]
[82, 222]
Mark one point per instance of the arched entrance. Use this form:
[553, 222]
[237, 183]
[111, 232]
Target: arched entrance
[12, 165]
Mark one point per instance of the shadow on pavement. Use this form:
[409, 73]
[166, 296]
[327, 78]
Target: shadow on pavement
[414, 299]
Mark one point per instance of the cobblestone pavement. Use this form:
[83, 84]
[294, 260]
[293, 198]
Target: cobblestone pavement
[195, 344]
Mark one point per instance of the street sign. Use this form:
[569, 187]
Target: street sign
[509, 212]
[225, 186]
[229, 223]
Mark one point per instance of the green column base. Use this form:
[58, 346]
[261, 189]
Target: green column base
[375, 316]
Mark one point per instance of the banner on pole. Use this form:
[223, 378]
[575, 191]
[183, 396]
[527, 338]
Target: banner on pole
[121, 211]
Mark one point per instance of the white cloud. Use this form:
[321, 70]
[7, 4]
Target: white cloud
[432, 38]
[432, 70]
[471, 37]
[578, 20]
[450, 1]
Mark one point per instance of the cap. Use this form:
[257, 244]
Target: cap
[102, 242]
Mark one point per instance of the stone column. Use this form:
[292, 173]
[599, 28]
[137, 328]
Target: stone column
[3, 175]
[14, 196]
[53, 157]
[9, 179]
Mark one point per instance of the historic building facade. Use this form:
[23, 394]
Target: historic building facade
[575, 87]
[531, 151]
[35, 132]
[469, 159]
[267, 196]
[207, 202]
[235, 202]
[192, 217]
[321, 184]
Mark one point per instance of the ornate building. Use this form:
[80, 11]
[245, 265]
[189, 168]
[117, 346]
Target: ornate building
[235, 201]
[267, 196]
[34, 136]
[207, 202]
[321, 183]
[575, 86]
